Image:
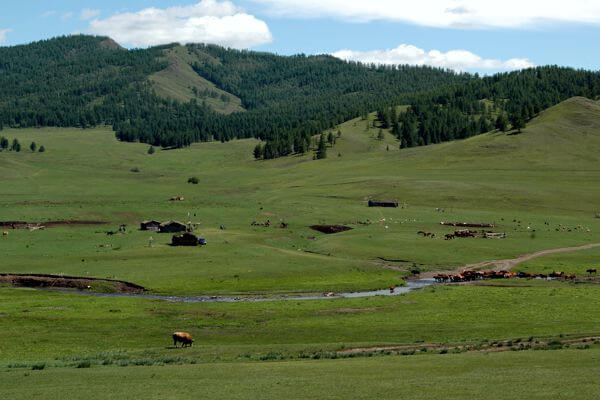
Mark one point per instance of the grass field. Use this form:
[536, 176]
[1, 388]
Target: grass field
[564, 374]
[42, 326]
[548, 174]
[179, 81]
[540, 187]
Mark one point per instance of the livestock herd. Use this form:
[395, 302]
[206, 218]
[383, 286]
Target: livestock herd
[470, 276]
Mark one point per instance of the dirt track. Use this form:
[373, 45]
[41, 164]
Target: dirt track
[508, 264]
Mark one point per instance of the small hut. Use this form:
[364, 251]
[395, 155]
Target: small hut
[151, 225]
[376, 203]
[172, 227]
[185, 239]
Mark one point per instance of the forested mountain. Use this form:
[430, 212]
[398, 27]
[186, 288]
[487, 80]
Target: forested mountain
[502, 101]
[84, 81]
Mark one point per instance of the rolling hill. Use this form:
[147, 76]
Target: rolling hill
[545, 174]
[172, 96]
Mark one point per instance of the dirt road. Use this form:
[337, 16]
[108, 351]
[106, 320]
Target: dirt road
[508, 264]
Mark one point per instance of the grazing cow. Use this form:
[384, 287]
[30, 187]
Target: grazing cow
[449, 236]
[4, 233]
[589, 271]
[183, 337]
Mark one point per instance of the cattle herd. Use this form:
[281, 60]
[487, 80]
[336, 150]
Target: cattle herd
[470, 276]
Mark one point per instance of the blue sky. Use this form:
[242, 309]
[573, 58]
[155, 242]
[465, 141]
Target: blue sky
[461, 34]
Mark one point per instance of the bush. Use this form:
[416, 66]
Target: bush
[151, 150]
[38, 366]
[193, 180]
[135, 169]
[84, 364]
[42, 149]
[415, 270]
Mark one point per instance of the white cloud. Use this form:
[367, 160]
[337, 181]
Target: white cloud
[48, 14]
[208, 21]
[3, 33]
[445, 13]
[459, 60]
[66, 16]
[88, 13]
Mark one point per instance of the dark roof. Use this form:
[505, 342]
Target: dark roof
[166, 223]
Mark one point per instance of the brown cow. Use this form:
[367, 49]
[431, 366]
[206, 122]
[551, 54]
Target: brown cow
[183, 337]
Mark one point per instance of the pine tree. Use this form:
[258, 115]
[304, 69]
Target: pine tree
[151, 150]
[322, 148]
[16, 146]
[3, 143]
[517, 122]
[42, 149]
[502, 122]
[33, 147]
[258, 151]
[331, 138]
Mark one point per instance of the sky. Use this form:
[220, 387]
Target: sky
[465, 35]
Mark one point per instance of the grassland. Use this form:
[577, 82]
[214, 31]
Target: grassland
[565, 374]
[548, 174]
[540, 187]
[179, 82]
[42, 326]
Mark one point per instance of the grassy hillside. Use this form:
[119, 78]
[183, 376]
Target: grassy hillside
[530, 185]
[540, 187]
[180, 82]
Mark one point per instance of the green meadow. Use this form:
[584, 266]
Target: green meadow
[564, 374]
[539, 187]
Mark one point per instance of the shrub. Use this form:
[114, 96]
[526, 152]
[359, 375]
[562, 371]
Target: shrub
[415, 270]
[135, 169]
[151, 150]
[84, 364]
[193, 180]
[42, 149]
[38, 366]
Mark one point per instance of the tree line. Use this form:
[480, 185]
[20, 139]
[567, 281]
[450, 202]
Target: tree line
[15, 145]
[503, 101]
[84, 81]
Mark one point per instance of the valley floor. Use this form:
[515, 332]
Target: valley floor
[540, 188]
[564, 374]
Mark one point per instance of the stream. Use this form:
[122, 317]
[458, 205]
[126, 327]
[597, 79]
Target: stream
[409, 287]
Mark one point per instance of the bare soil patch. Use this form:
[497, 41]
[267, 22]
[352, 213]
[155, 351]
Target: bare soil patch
[330, 229]
[48, 224]
[44, 281]
[468, 224]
